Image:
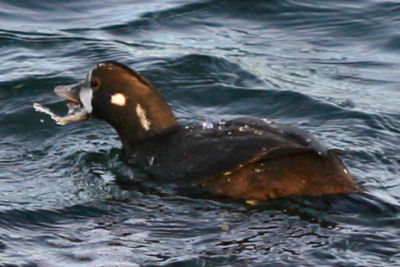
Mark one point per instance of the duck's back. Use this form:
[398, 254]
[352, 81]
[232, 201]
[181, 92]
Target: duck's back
[241, 158]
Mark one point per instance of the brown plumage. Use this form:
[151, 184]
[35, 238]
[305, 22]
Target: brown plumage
[298, 174]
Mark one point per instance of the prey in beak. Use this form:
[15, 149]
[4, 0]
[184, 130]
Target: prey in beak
[79, 102]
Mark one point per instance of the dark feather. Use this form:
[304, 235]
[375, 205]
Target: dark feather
[194, 155]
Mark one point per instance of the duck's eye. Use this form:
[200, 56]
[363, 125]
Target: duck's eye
[95, 83]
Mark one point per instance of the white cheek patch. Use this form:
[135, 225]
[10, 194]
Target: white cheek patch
[142, 117]
[90, 75]
[118, 99]
[86, 95]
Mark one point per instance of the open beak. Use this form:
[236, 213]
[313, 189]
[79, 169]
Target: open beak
[69, 92]
[79, 98]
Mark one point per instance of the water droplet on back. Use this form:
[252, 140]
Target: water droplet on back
[207, 125]
[151, 161]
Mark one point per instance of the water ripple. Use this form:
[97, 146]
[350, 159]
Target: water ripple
[67, 199]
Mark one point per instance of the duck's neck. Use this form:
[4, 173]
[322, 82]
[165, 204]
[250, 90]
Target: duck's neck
[144, 120]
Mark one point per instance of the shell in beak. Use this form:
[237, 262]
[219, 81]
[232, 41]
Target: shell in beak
[78, 109]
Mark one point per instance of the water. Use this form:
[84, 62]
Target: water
[332, 68]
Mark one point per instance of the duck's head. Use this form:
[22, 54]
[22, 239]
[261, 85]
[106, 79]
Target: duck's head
[122, 97]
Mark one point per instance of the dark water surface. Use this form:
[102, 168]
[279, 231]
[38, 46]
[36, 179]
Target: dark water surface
[332, 68]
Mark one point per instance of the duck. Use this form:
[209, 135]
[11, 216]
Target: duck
[243, 158]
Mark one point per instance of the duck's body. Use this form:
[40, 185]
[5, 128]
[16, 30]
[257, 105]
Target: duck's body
[244, 158]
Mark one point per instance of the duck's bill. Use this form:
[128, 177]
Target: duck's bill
[77, 111]
[69, 92]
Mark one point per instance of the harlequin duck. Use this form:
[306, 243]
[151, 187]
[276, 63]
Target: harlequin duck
[243, 158]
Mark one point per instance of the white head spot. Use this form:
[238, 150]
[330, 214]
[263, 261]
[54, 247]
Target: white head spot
[118, 99]
[142, 117]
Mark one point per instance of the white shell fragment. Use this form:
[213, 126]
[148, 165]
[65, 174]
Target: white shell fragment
[78, 116]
